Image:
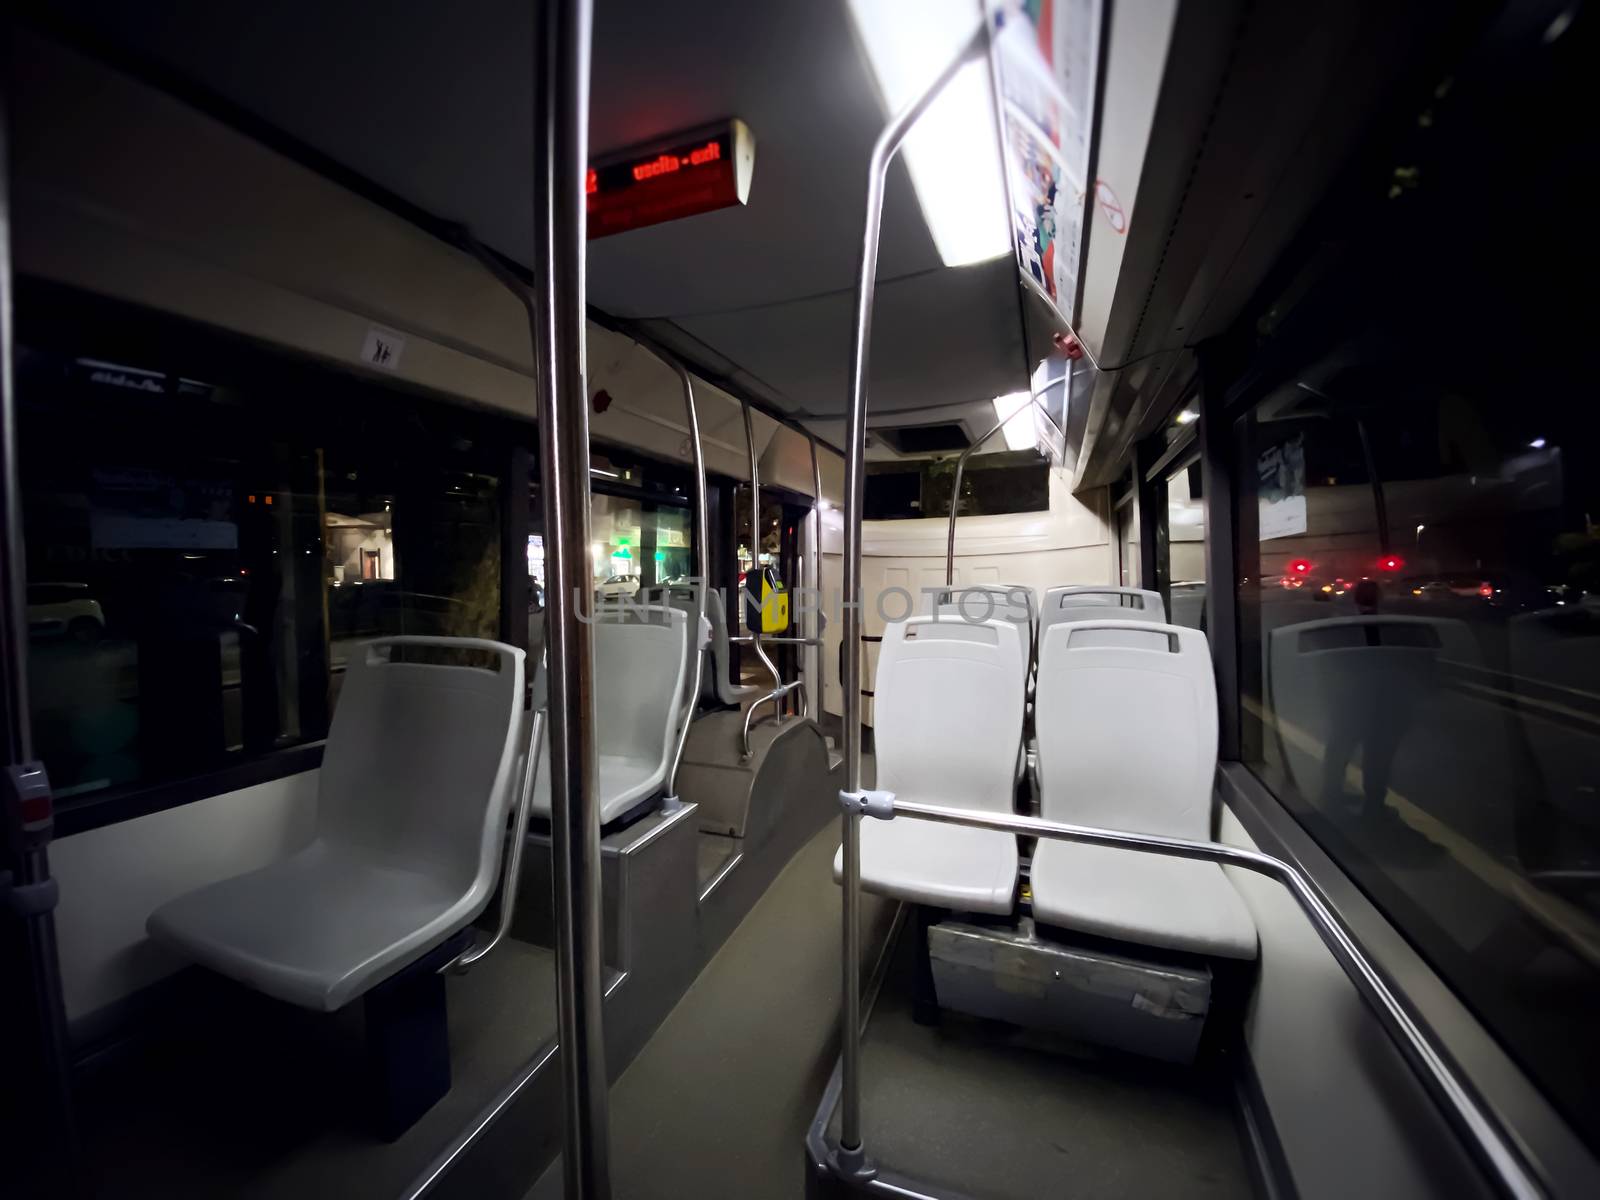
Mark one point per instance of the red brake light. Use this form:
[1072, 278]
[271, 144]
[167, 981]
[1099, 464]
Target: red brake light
[1299, 567]
[1391, 562]
[1485, 590]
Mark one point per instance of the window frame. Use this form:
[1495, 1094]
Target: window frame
[66, 320]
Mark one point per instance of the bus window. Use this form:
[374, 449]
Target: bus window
[1186, 547]
[202, 554]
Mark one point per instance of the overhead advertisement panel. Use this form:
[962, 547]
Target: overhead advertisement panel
[1047, 62]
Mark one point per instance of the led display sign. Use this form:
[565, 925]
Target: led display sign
[679, 176]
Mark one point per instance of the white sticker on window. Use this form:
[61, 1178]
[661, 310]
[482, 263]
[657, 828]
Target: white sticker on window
[383, 348]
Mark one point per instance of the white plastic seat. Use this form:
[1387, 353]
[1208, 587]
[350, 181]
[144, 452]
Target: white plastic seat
[718, 682]
[415, 787]
[1099, 602]
[993, 601]
[1126, 714]
[947, 727]
[639, 664]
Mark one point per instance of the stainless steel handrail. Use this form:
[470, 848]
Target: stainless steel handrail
[755, 551]
[560, 165]
[779, 641]
[961, 466]
[883, 152]
[775, 696]
[816, 579]
[701, 561]
[511, 878]
[1494, 1147]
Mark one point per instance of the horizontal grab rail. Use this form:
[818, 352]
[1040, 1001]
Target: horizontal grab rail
[746, 639]
[775, 696]
[1493, 1146]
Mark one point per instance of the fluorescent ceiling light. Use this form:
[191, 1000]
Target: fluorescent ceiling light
[1016, 410]
[952, 152]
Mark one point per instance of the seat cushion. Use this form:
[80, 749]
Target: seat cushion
[316, 929]
[970, 870]
[1175, 903]
[624, 783]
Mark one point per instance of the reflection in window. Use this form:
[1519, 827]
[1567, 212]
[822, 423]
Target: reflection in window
[1186, 548]
[1420, 631]
[201, 558]
[1007, 481]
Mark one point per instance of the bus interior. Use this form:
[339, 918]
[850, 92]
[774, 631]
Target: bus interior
[922, 598]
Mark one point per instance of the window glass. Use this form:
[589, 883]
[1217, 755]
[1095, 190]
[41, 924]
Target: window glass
[636, 544]
[1420, 611]
[1186, 548]
[201, 557]
[991, 484]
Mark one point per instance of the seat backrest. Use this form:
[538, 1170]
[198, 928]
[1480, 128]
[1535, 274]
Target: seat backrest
[684, 600]
[987, 601]
[718, 682]
[1126, 716]
[639, 663]
[947, 711]
[1009, 600]
[1100, 602]
[418, 767]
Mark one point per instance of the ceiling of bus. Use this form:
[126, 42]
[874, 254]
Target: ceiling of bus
[432, 103]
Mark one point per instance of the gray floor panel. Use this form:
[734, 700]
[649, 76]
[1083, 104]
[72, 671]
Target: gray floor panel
[719, 1101]
[981, 1109]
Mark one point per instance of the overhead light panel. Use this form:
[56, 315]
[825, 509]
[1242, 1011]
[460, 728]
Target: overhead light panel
[952, 152]
[1016, 410]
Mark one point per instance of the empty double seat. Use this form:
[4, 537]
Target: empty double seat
[1125, 715]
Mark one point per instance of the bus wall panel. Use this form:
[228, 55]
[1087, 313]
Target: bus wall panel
[113, 877]
[1072, 543]
[124, 191]
[1351, 1117]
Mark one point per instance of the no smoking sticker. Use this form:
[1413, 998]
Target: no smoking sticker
[1107, 200]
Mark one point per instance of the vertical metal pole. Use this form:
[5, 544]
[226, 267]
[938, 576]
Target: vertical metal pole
[755, 553]
[45, 1118]
[560, 130]
[852, 1156]
[702, 560]
[816, 583]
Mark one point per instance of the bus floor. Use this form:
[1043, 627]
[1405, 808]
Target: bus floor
[979, 1108]
[718, 1102]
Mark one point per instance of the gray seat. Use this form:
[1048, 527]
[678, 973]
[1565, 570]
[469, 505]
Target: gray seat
[1126, 714]
[416, 783]
[686, 601]
[947, 725]
[639, 664]
[717, 683]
